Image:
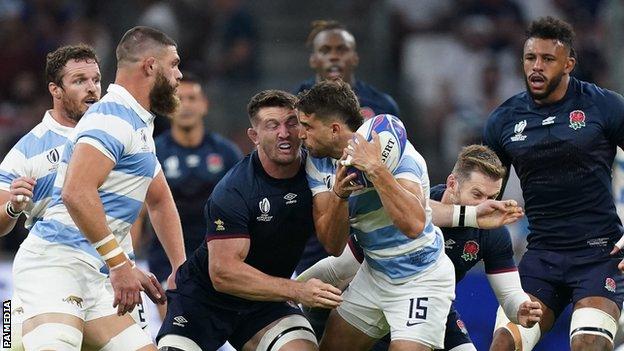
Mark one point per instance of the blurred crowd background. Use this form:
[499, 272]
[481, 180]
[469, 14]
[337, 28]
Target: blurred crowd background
[447, 63]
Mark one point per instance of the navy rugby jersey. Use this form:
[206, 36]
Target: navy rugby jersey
[467, 246]
[192, 174]
[563, 153]
[275, 214]
[372, 103]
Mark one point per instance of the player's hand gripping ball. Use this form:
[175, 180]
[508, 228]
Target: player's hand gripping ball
[392, 137]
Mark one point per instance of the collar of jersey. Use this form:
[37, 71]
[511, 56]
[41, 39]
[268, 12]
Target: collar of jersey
[131, 102]
[55, 126]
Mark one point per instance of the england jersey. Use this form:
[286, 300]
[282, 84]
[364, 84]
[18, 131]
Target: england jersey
[563, 153]
[391, 254]
[121, 129]
[36, 155]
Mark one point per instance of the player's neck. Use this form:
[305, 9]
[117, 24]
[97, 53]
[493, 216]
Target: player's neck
[138, 88]
[61, 118]
[446, 198]
[188, 137]
[279, 170]
[557, 94]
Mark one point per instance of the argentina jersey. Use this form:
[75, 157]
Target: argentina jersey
[36, 155]
[121, 129]
[391, 254]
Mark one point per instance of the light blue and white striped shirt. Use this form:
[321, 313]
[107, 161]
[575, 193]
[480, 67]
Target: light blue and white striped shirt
[36, 155]
[391, 254]
[120, 128]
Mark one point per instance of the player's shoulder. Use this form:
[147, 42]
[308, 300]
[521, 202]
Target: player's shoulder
[109, 108]
[222, 142]
[602, 97]
[163, 140]
[437, 192]
[510, 105]
[319, 167]
[239, 178]
[364, 89]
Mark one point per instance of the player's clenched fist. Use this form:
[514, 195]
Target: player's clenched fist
[529, 313]
[21, 192]
[315, 293]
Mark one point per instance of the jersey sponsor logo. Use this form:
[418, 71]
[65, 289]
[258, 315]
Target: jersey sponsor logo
[290, 198]
[518, 129]
[577, 119]
[265, 207]
[74, 300]
[192, 161]
[471, 249]
[548, 120]
[220, 226]
[448, 245]
[53, 156]
[610, 285]
[215, 163]
[180, 321]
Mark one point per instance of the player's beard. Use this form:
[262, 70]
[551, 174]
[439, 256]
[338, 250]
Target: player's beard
[163, 99]
[551, 85]
[74, 110]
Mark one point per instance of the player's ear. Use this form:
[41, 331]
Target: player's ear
[451, 182]
[313, 61]
[570, 64]
[149, 66]
[356, 59]
[55, 90]
[336, 128]
[253, 135]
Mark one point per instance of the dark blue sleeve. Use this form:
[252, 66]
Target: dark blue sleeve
[492, 136]
[226, 214]
[614, 105]
[233, 153]
[498, 257]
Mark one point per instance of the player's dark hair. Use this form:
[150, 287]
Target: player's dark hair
[552, 28]
[321, 26]
[136, 41]
[57, 59]
[479, 158]
[332, 99]
[269, 98]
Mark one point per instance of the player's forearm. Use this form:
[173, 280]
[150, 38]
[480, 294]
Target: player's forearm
[332, 226]
[442, 214]
[404, 208]
[7, 223]
[333, 270]
[509, 293]
[166, 222]
[240, 279]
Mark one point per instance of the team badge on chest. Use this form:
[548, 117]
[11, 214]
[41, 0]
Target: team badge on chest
[577, 119]
[471, 249]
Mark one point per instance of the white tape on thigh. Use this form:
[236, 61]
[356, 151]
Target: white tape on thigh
[179, 342]
[589, 320]
[529, 337]
[131, 338]
[53, 336]
[287, 329]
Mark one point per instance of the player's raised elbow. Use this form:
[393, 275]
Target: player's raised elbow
[412, 229]
[70, 197]
[220, 277]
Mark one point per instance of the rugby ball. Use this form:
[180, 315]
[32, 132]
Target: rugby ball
[392, 137]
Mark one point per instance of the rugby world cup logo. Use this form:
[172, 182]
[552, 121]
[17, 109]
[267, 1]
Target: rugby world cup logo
[471, 249]
[577, 119]
[265, 207]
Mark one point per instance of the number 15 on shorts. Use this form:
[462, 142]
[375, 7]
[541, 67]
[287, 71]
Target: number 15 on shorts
[417, 311]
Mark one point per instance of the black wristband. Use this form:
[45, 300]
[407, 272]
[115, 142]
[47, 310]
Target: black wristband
[10, 211]
[462, 215]
[344, 198]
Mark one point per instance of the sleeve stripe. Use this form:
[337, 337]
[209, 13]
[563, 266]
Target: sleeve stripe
[502, 270]
[110, 143]
[211, 236]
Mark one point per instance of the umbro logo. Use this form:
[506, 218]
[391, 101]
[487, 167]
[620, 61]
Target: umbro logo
[290, 198]
[548, 120]
[179, 321]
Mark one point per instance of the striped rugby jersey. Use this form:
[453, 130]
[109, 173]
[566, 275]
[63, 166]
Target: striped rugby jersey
[391, 254]
[36, 155]
[120, 128]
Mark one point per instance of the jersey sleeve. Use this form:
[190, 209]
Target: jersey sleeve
[227, 215]
[615, 118]
[316, 177]
[492, 137]
[498, 257]
[13, 166]
[109, 134]
[412, 166]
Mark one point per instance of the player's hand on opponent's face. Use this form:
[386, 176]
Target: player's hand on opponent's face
[494, 214]
[366, 156]
[315, 293]
[343, 185]
[21, 190]
[127, 288]
[529, 313]
[151, 286]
